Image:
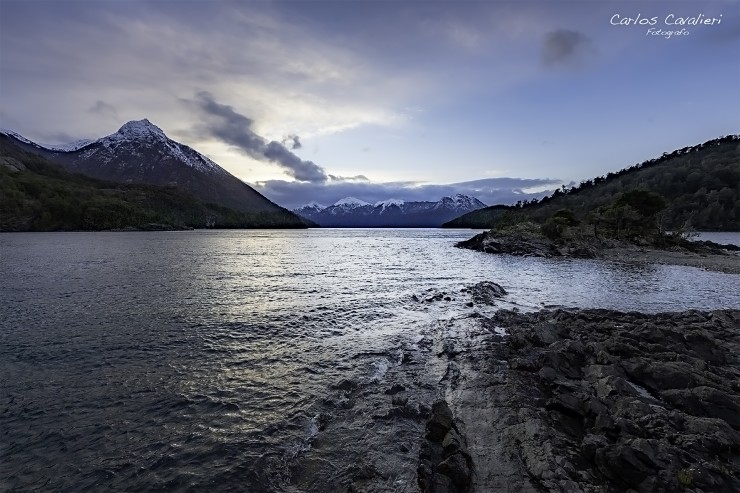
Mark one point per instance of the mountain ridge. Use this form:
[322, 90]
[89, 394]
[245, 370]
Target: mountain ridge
[140, 152]
[700, 183]
[353, 212]
[36, 195]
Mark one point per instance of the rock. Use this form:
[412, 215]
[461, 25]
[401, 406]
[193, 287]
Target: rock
[706, 401]
[456, 467]
[444, 463]
[591, 444]
[548, 374]
[486, 292]
[395, 388]
[346, 384]
[611, 401]
[400, 400]
[440, 421]
[452, 442]
[628, 463]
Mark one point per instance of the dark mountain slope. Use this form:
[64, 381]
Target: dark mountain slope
[701, 186]
[36, 195]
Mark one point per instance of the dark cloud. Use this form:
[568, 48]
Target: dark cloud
[299, 169]
[566, 48]
[235, 129]
[292, 142]
[103, 108]
[489, 191]
[349, 178]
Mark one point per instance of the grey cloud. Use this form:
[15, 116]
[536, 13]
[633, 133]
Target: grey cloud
[489, 191]
[564, 47]
[104, 109]
[230, 126]
[292, 142]
[349, 178]
[299, 169]
[235, 129]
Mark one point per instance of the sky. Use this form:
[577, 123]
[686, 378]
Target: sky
[316, 100]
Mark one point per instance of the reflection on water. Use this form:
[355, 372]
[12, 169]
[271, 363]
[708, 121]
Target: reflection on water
[207, 359]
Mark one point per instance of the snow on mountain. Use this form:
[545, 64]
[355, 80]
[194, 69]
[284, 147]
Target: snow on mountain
[350, 203]
[387, 203]
[315, 205]
[139, 130]
[459, 202]
[142, 135]
[71, 147]
[353, 212]
[312, 207]
[137, 135]
[18, 136]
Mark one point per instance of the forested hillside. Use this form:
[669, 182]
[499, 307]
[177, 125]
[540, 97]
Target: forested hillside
[38, 196]
[700, 185]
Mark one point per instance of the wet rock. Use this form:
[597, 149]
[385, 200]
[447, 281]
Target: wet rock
[403, 411]
[444, 463]
[400, 400]
[346, 384]
[486, 292]
[395, 388]
[611, 401]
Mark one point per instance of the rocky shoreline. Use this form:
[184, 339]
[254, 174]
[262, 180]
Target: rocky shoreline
[701, 254]
[589, 401]
[562, 400]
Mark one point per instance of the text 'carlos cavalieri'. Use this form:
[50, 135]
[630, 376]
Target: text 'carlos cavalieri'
[674, 24]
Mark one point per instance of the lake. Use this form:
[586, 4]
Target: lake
[233, 360]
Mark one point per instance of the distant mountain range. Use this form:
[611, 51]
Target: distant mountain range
[140, 153]
[393, 213]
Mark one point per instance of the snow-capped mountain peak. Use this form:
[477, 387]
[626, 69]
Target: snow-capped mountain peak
[460, 202]
[138, 130]
[389, 202]
[311, 207]
[141, 140]
[350, 202]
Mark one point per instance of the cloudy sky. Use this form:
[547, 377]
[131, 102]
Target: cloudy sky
[317, 100]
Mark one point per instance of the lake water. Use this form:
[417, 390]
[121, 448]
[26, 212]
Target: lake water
[721, 237]
[251, 360]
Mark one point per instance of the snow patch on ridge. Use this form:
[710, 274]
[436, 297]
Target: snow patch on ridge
[390, 202]
[71, 147]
